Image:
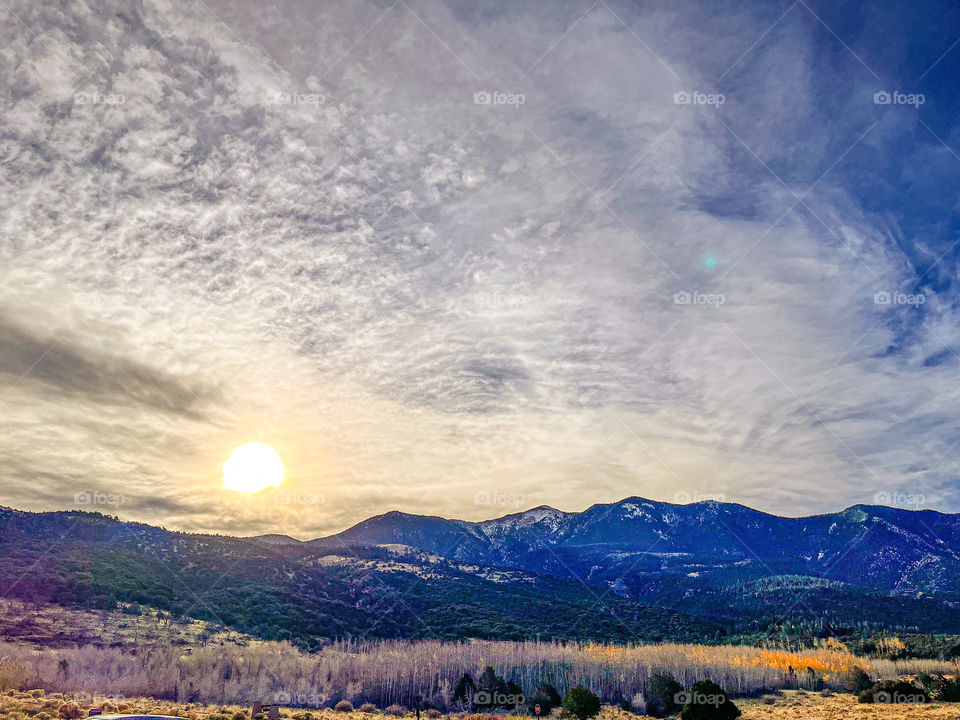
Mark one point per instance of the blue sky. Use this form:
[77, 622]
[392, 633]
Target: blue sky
[469, 258]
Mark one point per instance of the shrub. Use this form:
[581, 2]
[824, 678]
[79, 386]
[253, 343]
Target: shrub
[546, 696]
[239, 716]
[769, 699]
[368, 708]
[949, 690]
[296, 716]
[856, 680]
[466, 687]
[581, 702]
[71, 711]
[940, 687]
[894, 691]
[434, 713]
[343, 706]
[660, 695]
[395, 710]
[707, 701]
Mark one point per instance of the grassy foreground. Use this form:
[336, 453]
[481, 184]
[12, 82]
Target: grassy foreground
[789, 705]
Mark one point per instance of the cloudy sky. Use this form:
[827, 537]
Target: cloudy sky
[465, 258]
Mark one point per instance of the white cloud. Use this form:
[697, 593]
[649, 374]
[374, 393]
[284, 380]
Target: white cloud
[412, 296]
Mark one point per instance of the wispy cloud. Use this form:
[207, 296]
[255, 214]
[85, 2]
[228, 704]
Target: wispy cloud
[429, 250]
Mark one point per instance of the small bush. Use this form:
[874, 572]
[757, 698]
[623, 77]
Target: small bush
[769, 699]
[71, 711]
[581, 702]
[707, 701]
[368, 708]
[856, 680]
[546, 696]
[949, 691]
[660, 695]
[239, 716]
[897, 692]
[395, 710]
[344, 706]
[433, 713]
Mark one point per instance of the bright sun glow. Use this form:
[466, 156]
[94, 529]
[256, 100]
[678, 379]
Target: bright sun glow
[252, 467]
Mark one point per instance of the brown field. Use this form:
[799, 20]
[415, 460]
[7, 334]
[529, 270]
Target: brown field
[790, 705]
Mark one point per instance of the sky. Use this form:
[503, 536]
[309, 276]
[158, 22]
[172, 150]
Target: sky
[468, 258]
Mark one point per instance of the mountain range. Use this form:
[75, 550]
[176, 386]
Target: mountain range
[635, 570]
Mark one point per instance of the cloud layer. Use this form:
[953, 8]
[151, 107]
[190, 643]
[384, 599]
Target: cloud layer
[439, 252]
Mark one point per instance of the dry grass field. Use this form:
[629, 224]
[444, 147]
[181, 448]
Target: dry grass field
[792, 705]
[789, 705]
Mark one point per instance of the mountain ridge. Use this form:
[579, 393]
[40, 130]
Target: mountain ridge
[651, 570]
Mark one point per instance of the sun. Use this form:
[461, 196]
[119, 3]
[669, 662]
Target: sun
[252, 467]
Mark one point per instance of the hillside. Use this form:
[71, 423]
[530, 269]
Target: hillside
[630, 571]
[309, 596]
